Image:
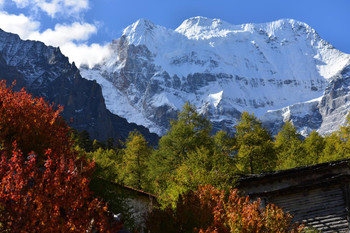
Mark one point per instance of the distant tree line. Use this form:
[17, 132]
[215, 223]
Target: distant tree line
[189, 154]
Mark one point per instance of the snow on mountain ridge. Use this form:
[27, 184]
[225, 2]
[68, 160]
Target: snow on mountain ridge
[223, 69]
[204, 28]
[145, 32]
[218, 40]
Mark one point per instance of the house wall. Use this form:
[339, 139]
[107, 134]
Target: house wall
[140, 207]
[318, 195]
[320, 208]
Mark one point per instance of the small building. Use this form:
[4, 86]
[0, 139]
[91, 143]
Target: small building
[317, 195]
[140, 202]
[133, 204]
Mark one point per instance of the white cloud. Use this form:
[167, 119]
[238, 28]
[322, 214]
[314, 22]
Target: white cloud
[63, 34]
[19, 24]
[85, 54]
[72, 39]
[54, 7]
[2, 3]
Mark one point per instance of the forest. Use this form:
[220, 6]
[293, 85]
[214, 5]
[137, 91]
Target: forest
[47, 171]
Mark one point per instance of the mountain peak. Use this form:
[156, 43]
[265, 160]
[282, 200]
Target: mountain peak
[144, 24]
[145, 32]
[141, 26]
[201, 27]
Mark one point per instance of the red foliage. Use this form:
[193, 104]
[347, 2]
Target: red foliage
[239, 214]
[52, 195]
[209, 210]
[33, 123]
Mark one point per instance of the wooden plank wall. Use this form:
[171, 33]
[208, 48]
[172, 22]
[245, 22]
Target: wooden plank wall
[321, 208]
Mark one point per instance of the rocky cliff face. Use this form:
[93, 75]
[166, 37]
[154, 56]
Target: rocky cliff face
[280, 70]
[45, 71]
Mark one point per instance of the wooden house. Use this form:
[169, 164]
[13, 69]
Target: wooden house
[317, 195]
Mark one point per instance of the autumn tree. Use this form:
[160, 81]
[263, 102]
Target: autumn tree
[209, 210]
[33, 123]
[44, 185]
[54, 198]
[254, 146]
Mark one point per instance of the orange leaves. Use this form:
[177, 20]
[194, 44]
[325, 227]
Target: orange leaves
[33, 123]
[209, 210]
[239, 214]
[46, 199]
[49, 195]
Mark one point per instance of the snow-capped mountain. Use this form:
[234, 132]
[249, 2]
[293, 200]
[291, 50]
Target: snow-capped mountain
[280, 70]
[44, 71]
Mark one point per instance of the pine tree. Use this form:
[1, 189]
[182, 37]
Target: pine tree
[188, 156]
[254, 146]
[337, 144]
[313, 146]
[224, 143]
[333, 148]
[135, 161]
[107, 163]
[289, 147]
[187, 132]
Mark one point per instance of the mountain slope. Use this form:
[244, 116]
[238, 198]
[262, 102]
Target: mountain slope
[279, 70]
[45, 71]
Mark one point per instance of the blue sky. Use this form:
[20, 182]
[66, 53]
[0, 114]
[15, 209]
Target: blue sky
[83, 27]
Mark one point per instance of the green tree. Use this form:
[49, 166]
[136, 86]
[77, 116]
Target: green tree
[83, 140]
[337, 144]
[333, 148]
[202, 166]
[107, 163]
[254, 146]
[313, 146]
[134, 167]
[224, 143]
[188, 156]
[97, 145]
[289, 147]
[187, 132]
